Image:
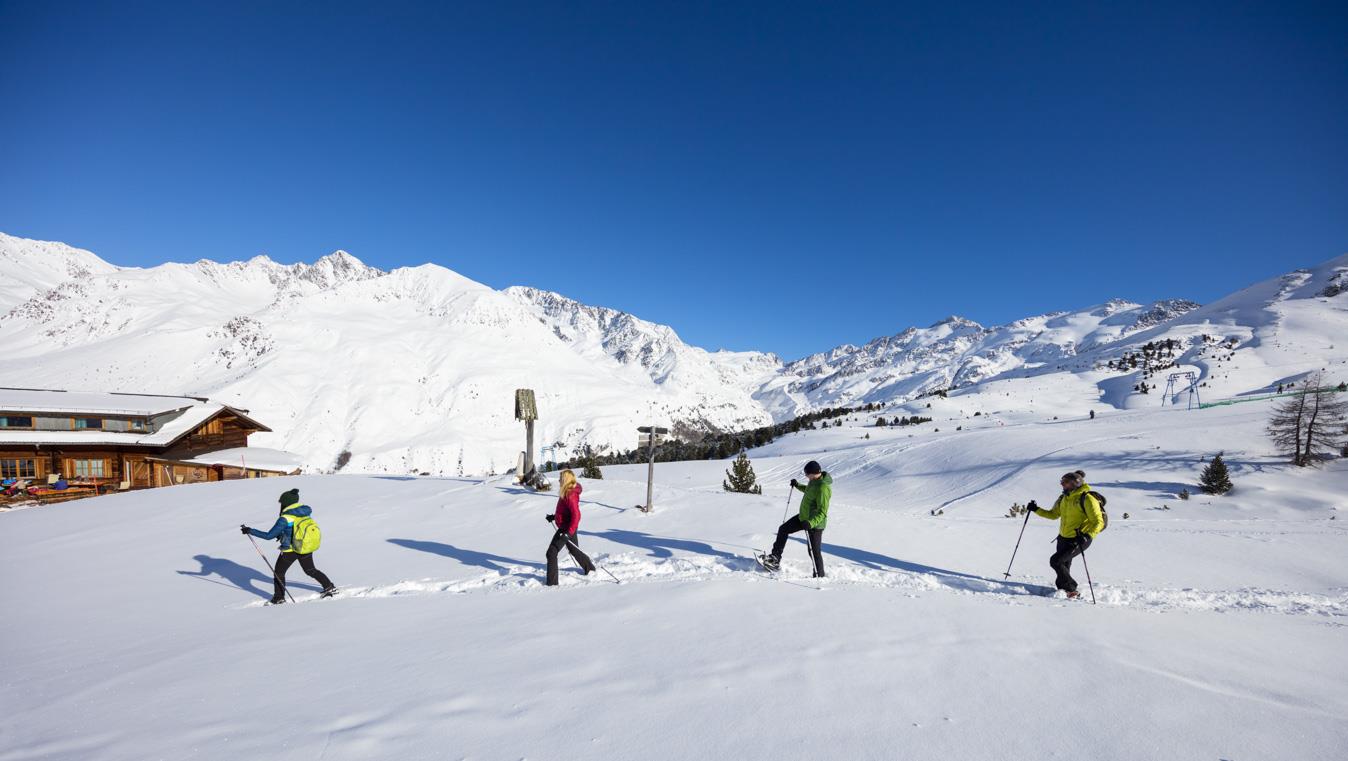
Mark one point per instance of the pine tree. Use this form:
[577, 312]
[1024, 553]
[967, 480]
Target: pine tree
[740, 478]
[1215, 479]
[589, 466]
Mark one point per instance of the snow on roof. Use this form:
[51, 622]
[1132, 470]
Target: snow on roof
[252, 458]
[53, 400]
[169, 432]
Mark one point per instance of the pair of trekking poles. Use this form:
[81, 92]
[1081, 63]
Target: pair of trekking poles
[1084, 565]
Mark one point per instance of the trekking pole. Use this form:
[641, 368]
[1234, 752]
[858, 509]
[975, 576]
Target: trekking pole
[1088, 576]
[1007, 575]
[269, 565]
[790, 492]
[596, 565]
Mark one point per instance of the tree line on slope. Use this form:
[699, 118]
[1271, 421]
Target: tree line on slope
[716, 445]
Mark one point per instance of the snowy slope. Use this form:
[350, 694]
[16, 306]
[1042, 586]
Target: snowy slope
[410, 371]
[34, 266]
[953, 353]
[1219, 633]
[413, 370]
[701, 382]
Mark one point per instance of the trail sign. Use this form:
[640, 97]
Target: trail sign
[650, 435]
[526, 409]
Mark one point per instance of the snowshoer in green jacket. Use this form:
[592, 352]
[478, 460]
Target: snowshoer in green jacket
[811, 519]
[1079, 521]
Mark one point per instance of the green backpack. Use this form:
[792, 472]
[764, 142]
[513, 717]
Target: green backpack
[304, 536]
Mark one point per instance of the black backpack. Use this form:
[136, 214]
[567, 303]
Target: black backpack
[1100, 498]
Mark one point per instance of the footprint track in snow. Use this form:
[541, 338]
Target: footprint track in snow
[633, 568]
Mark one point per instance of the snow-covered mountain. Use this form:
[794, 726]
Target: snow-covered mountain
[414, 369]
[711, 390]
[955, 353]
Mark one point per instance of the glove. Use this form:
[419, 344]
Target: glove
[243, 529]
[1033, 506]
[794, 483]
[550, 517]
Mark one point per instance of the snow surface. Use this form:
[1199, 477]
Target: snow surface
[134, 629]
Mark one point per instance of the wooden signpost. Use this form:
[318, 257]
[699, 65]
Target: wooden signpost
[526, 409]
[650, 436]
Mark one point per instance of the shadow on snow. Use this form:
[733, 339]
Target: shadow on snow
[660, 546]
[497, 563]
[244, 577]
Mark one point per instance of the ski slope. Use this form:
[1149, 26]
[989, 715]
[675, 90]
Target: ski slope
[134, 628]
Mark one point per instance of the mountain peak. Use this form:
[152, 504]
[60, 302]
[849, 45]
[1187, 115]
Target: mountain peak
[955, 321]
[336, 268]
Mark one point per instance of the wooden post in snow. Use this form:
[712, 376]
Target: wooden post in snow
[526, 409]
[650, 435]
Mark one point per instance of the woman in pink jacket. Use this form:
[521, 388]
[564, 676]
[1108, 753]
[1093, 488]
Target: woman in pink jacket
[567, 520]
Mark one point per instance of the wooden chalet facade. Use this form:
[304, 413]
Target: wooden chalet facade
[127, 441]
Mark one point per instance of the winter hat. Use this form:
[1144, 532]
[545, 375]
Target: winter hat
[1077, 477]
[289, 498]
[812, 467]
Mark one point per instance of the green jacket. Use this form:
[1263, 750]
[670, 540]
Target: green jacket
[1076, 510]
[814, 505]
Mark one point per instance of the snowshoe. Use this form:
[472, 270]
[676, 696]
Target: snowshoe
[329, 592]
[1073, 595]
[275, 602]
[770, 563]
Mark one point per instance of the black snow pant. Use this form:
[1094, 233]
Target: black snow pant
[283, 564]
[1061, 562]
[815, 535]
[560, 540]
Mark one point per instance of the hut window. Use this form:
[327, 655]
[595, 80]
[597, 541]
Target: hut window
[137, 425]
[88, 468]
[18, 469]
[16, 421]
[91, 423]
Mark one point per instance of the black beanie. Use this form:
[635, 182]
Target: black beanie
[812, 467]
[289, 498]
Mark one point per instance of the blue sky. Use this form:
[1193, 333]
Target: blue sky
[782, 176]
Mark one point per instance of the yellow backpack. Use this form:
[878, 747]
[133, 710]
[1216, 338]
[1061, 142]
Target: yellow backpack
[304, 535]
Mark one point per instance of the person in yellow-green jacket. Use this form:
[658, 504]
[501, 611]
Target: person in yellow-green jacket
[811, 518]
[1079, 521]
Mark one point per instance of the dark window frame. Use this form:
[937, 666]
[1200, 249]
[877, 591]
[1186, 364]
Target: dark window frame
[13, 467]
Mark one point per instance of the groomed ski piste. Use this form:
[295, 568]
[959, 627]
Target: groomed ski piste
[134, 627]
